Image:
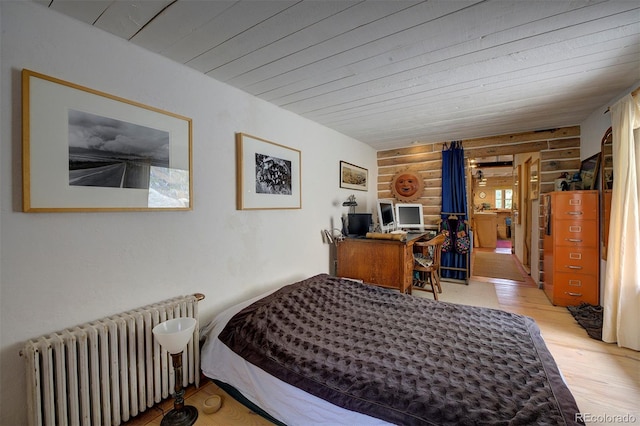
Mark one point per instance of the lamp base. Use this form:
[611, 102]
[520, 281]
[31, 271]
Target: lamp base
[186, 416]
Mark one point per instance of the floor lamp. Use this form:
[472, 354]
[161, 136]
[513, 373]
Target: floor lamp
[174, 335]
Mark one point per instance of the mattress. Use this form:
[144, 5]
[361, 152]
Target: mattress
[280, 400]
[332, 351]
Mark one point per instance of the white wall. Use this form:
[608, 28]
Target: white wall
[592, 130]
[62, 269]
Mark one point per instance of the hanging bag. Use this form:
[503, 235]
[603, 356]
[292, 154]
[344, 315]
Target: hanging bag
[447, 245]
[463, 242]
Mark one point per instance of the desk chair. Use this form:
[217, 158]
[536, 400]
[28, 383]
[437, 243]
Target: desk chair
[426, 265]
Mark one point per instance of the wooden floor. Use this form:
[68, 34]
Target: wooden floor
[604, 379]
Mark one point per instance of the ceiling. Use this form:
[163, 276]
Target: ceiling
[494, 166]
[392, 72]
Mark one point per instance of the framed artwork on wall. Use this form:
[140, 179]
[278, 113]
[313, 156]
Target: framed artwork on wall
[85, 150]
[268, 174]
[589, 171]
[353, 177]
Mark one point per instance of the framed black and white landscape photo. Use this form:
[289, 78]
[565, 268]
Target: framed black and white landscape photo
[268, 174]
[84, 150]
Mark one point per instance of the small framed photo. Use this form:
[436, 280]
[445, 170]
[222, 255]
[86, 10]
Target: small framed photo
[589, 171]
[268, 174]
[84, 150]
[353, 177]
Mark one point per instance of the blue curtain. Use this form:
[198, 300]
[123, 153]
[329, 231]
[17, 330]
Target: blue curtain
[454, 200]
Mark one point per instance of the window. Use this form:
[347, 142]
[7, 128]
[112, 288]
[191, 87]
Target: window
[504, 198]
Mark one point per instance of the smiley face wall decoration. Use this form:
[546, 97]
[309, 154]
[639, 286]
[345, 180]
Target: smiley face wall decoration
[407, 186]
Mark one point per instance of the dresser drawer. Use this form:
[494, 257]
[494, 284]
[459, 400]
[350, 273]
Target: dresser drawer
[576, 205]
[576, 233]
[577, 260]
[573, 289]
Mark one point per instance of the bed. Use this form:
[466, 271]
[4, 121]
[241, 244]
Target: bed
[327, 350]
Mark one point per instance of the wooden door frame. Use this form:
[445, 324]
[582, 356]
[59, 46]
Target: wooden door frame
[526, 212]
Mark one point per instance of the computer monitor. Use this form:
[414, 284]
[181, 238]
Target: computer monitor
[358, 224]
[409, 216]
[386, 215]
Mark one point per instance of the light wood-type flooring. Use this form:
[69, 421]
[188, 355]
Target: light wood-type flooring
[604, 379]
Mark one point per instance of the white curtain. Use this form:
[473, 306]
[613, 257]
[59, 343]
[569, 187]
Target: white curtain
[621, 321]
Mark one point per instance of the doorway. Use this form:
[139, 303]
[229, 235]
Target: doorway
[490, 187]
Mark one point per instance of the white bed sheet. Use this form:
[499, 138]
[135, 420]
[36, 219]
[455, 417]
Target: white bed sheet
[284, 402]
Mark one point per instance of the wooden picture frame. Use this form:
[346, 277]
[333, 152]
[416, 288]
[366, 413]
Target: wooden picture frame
[85, 150]
[534, 180]
[589, 171]
[268, 175]
[353, 177]
[606, 161]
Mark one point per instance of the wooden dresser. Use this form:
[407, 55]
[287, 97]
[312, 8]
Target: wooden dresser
[571, 248]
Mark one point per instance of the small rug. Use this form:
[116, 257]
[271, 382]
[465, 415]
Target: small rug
[503, 244]
[476, 293]
[589, 317]
[496, 265]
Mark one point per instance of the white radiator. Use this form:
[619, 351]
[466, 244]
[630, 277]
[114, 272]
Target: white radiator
[107, 371]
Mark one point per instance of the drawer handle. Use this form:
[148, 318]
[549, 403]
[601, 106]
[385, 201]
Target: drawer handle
[573, 267]
[575, 213]
[574, 240]
[573, 294]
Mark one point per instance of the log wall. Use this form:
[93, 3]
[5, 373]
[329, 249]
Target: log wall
[559, 152]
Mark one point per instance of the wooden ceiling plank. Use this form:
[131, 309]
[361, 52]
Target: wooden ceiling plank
[308, 44]
[472, 67]
[417, 117]
[177, 22]
[446, 44]
[463, 95]
[411, 79]
[352, 29]
[126, 18]
[468, 123]
[291, 24]
[241, 16]
[85, 11]
[464, 127]
[410, 48]
[447, 85]
[456, 130]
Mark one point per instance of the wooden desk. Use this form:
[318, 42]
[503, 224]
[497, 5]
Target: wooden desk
[386, 263]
